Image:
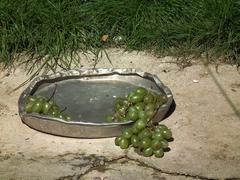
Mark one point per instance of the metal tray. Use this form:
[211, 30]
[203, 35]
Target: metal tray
[89, 96]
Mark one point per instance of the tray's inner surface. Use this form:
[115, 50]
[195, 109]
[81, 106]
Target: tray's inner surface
[91, 99]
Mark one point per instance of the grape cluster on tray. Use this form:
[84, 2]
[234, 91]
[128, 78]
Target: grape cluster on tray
[42, 105]
[140, 106]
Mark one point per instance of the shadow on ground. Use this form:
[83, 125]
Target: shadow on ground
[223, 92]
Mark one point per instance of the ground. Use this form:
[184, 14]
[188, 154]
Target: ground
[205, 125]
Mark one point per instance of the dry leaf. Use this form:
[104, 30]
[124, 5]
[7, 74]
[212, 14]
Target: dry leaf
[104, 38]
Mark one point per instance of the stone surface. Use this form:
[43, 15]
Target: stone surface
[205, 126]
[127, 169]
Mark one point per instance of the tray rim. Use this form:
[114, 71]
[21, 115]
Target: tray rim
[86, 72]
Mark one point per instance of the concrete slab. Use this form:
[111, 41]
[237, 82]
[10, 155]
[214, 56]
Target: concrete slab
[205, 126]
[128, 169]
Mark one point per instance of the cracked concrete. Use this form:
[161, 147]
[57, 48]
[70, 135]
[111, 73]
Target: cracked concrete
[205, 126]
[129, 169]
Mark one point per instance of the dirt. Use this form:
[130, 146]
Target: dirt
[205, 126]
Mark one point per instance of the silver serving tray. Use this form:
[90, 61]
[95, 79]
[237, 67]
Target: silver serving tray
[89, 96]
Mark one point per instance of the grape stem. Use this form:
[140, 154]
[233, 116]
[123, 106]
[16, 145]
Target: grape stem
[53, 93]
[151, 125]
[64, 109]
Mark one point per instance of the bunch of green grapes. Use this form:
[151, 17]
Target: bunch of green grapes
[139, 104]
[147, 140]
[42, 105]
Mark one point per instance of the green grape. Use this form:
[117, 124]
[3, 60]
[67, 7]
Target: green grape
[60, 116]
[148, 152]
[162, 126]
[117, 106]
[136, 98]
[125, 102]
[147, 120]
[158, 130]
[41, 99]
[155, 95]
[132, 109]
[164, 144]
[149, 107]
[46, 107]
[142, 115]
[67, 117]
[145, 142]
[140, 124]
[162, 99]
[145, 133]
[53, 113]
[28, 107]
[135, 130]
[141, 90]
[167, 134]
[156, 144]
[109, 118]
[37, 107]
[130, 96]
[127, 133]
[124, 119]
[117, 116]
[119, 101]
[132, 115]
[31, 99]
[135, 141]
[158, 136]
[55, 107]
[122, 111]
[159, 153]
[124, 143]
[117, 140]
[150, 113]
[148, 98]
[139, 106]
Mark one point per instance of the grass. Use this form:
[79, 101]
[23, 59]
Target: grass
[51, 33]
